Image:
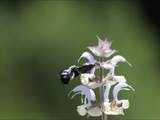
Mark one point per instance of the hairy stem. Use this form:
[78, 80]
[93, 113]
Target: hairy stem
[101, 91]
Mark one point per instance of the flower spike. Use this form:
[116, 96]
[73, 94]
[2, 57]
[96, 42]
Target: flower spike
[108, 82]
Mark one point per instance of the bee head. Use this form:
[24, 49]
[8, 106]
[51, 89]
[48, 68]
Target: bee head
[65, 76]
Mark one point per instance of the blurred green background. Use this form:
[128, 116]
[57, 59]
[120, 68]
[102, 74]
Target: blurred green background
[39, 38]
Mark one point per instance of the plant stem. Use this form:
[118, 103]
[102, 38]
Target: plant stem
[101, 91]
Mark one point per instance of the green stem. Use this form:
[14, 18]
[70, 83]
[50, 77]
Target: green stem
[101, 90]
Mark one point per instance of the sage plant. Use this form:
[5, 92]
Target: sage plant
[101, 75]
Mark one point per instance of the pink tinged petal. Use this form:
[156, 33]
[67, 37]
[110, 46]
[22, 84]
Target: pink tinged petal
[106, 44]
[88, 56]
[103, 43]
[94, 111]
[108, 66]
[89, 93]
[95, 50]
[103, 49]
[100, 41]
[108, 53]
[94, 85]
[85, 80]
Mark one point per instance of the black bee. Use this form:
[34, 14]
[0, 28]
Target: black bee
[73, 71]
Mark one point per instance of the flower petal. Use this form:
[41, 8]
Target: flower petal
[116, 59]
[125, 104]
[86, 77]
[108, 66]
[94, 85]
[108, 53]
[103, 43]
[90, 81]
[120, 86]
[106, 93]
[117, 111]
[95, 50]
[106, 107]
[82, 110]
[94, 111]
[88, 56]
[120, 78]
[89, 93]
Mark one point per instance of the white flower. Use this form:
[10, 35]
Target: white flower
[88, 107]
[116, 59]
[90, 59]
[90, 81]
[83, 90]
[106, 107]
[106, 93]
[111, 109]
[81, 109]
[94, 111]
[118, 88]
[88, 56]
[103, 49]
[116, 106]
[111, 64]
[86, 78]
[112, 80]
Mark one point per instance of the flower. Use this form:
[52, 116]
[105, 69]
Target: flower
[112, 80]
[91, 81]
[83, 90]
[103, 49]
[90, 59]
[116, 106]
[120, 86]
[89, 105]
[111, 64]
[87, 109]
[88, 56]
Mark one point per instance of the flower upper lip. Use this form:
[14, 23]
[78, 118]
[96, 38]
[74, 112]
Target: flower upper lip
[81, 89]
[119, 87]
